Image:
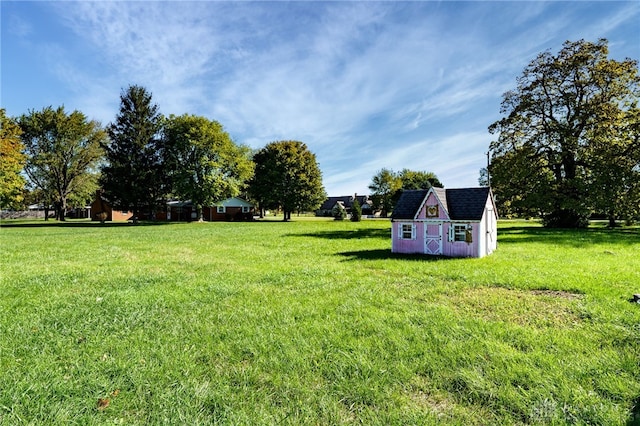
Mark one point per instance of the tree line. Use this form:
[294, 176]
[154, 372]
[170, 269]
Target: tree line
[142, 159]
[568, 146]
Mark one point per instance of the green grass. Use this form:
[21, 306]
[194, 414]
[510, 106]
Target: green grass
[314, 322]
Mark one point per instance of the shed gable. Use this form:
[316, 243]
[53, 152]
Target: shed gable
[433, 207]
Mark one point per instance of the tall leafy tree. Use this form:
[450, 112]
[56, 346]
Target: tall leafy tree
[558, 128]
[206, 166]
[134, 177]
[412, 179]
[384, 186]
[614, 159]
[387, 185]
[287, 176]
[63, 151]
[12, 161]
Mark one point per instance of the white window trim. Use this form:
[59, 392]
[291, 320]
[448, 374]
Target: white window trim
[463, 228]
[401, 231]
[245, 209]
[221, 209]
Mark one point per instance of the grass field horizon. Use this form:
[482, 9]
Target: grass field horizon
[314, 322]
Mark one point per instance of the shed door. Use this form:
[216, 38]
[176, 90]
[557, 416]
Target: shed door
[433, 238]
[489, 237]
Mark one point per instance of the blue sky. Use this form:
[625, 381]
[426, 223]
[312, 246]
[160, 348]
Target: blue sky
[366, 85]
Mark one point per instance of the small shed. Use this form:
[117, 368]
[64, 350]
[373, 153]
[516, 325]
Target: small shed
[460, 222]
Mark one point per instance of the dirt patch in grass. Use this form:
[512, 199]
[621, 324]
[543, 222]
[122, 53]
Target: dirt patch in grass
[558, 293]
[537, 308]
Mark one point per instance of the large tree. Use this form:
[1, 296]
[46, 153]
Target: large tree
[614, 160]
[556, 139]
[384, 186]
[12, 161]
[287, 176]
[418, 179]
[63, 151]
[387, 185]
[134, 177]
[205, 165]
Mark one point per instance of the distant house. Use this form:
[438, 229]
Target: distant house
[449, 222]
[102, 211]
[231, 209]
[345, 201]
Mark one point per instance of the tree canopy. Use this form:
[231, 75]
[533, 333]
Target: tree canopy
[205, 165]
[134, 176]
[384, 186]
[62, 153]
[568, 142]
[287, 176]
[387, 185]
[12, 161]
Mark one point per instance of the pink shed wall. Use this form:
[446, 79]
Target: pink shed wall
[431, 200]
[461, 248]
[407, 246]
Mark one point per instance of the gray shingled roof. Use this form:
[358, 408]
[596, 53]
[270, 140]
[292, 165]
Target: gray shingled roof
[409, 203]
[467, 203]
[461, 203]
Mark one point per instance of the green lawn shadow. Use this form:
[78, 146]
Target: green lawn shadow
[570, 237]
[386, 254]
[348, 234]
[77, 224]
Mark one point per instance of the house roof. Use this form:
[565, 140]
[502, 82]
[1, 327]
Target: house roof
[233, 202]
[460, 203]
[346, 200]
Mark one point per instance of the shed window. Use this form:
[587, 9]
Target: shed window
[461, 233]
[407, 231]
[245, 209]
[221, 209]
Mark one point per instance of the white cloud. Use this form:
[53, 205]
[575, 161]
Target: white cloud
[366, 85]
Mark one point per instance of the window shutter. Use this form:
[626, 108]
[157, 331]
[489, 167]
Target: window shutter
[468, 234]
[413, 231]
[451, 232]
[399, 231]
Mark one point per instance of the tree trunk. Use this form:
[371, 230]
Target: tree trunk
[60, 208]
[199, 213]
[46, 212]
[612, 218]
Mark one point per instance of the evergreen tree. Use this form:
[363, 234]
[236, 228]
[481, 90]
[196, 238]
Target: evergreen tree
[339, 212]
[356, 211]
[134, 178]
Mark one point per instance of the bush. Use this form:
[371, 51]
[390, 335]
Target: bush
[339, 213]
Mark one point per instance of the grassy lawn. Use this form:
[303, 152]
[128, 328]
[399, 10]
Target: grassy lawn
[314, 322]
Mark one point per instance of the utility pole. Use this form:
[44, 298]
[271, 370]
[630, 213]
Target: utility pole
[488, 163]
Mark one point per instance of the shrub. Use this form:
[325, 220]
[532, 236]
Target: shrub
[339, 213]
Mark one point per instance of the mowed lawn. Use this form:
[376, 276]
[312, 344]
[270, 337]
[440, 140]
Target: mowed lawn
[314, 322]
